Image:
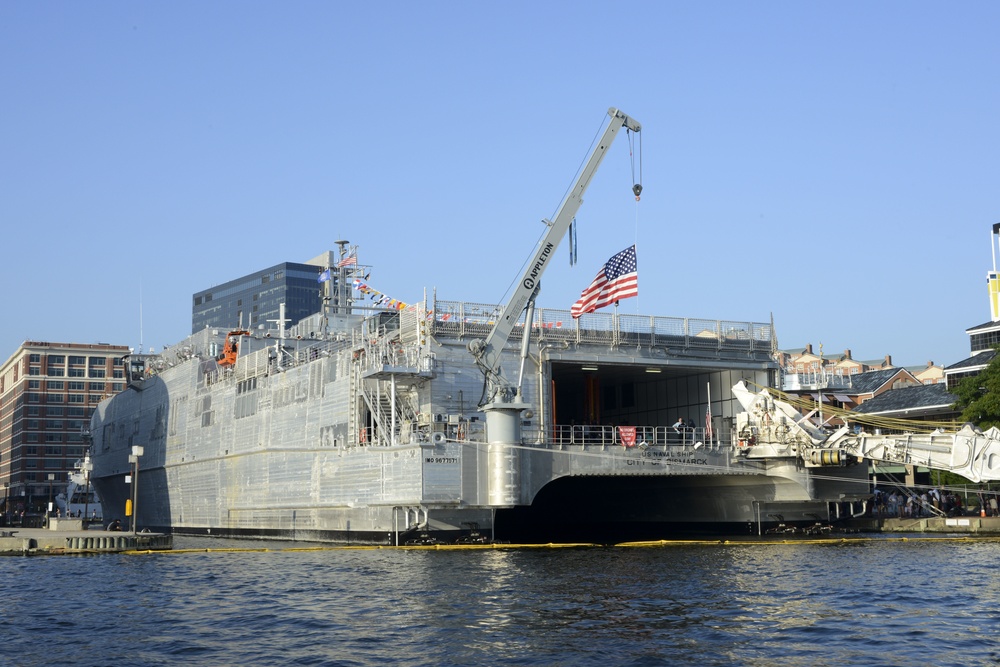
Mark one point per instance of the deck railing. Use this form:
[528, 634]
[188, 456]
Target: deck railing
[466, 320]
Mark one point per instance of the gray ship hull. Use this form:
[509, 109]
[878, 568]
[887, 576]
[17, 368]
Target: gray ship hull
[371, 434]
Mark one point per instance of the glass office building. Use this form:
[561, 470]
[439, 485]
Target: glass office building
[253, 300]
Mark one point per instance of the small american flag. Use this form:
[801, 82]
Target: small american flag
[348, 261]
[619, 279]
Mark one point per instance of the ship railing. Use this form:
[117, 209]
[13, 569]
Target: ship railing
[467, 320]
[568, 436]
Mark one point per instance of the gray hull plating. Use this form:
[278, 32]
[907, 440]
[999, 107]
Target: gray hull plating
[372, 434]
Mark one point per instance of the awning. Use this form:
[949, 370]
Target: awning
[842, 398]
[820, 397]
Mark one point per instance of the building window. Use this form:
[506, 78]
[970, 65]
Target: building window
[97, 372]
[56, 371]
[35, 358]
[54, 398]
[76, 386]
[57, 359]
[96, 386]
[54, 384]
[77, 398]
[35, 370]
[79, 361]
[34, 384]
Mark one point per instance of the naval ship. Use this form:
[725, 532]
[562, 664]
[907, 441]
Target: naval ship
[444, 421]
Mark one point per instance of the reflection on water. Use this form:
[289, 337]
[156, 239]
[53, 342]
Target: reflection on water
[888, 603]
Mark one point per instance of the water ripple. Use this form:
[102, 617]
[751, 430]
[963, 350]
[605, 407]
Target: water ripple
[875, 603]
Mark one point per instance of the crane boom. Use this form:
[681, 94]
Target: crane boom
[770, 427]
[488, 352]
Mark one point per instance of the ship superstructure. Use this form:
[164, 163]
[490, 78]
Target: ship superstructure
[405, 423]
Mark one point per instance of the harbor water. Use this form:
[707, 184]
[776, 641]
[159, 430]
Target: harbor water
[870, 602]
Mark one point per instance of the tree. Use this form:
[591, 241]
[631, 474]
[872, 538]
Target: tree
[979, 396]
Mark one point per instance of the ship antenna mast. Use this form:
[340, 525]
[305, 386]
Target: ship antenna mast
[140, 316]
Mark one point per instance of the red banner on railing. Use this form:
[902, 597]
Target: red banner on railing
[626, 435]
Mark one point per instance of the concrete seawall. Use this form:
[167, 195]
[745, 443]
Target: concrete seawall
[959, 525]
[60, 540]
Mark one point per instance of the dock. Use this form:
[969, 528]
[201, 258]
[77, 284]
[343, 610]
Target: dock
[68, 536]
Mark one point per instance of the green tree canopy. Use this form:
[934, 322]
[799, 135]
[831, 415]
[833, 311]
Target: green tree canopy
[979, 396]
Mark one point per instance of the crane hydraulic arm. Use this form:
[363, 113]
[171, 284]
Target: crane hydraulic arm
[487, 352]
[771, 427]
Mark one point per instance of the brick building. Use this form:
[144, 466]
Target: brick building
[48, 392]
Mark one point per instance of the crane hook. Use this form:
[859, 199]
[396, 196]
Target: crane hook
[637, 188]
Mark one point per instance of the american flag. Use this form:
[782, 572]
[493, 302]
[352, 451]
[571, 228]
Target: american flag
[708, 422]
[348, 261]
[619, 279]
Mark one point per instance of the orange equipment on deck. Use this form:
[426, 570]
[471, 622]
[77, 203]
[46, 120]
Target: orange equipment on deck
[231, 349]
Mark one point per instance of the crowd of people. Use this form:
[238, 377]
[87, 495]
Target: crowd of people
[903, 503]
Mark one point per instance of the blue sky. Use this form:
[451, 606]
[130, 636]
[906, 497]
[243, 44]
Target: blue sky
[832, 164]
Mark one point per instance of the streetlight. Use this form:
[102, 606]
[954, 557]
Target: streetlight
[86, 467]
[6, 503]
[48, 514]
[134, 460]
